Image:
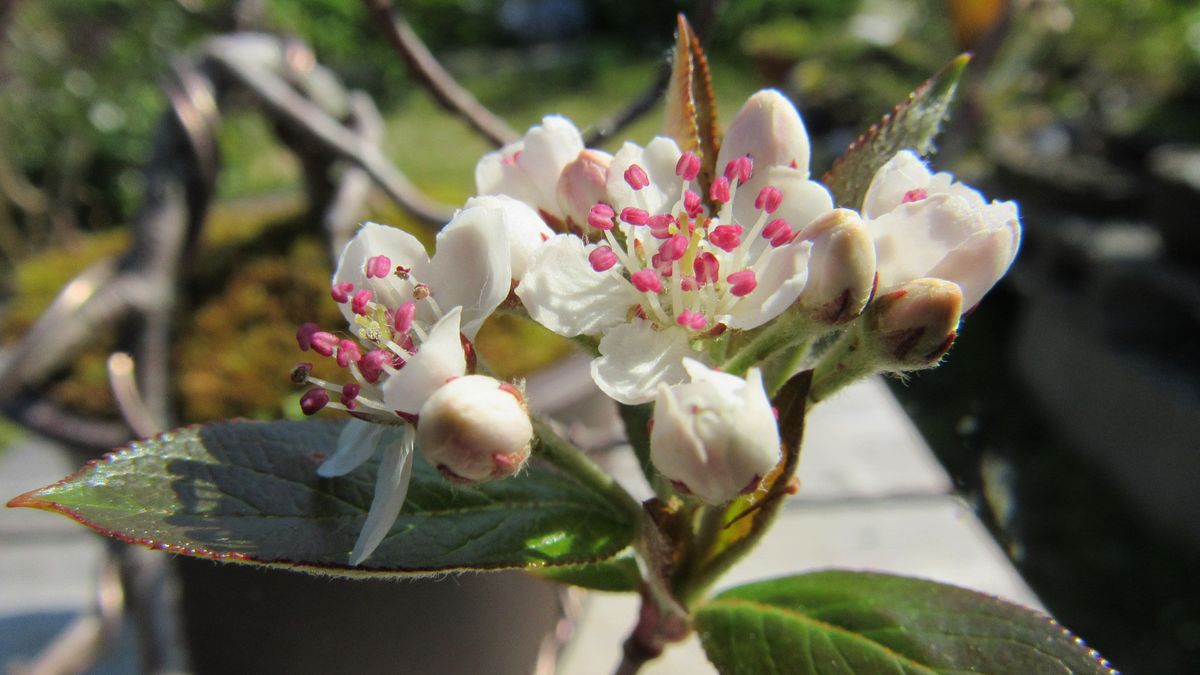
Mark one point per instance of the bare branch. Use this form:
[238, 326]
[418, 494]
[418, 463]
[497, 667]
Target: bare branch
[57, 424]
[607, 128]
[287, 105]
[445, 90]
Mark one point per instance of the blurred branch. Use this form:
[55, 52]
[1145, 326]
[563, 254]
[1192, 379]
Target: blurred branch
[133, 406]
[425, 67]
[288, 106]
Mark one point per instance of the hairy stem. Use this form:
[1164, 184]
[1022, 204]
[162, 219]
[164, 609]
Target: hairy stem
[564, 455]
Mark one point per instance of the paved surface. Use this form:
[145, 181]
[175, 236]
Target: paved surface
[872, 497]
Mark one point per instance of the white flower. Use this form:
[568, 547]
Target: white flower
[669, 274]
[529, 169]
[525, 229]
[716, 436]
[928, 225]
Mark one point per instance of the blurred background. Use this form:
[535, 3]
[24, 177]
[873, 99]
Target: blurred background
[1068, 413]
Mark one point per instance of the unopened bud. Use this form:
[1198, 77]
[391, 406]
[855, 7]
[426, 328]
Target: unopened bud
[912, 326]
[769, 130]
[582, 184]
[716, 436]
[475, 429]
[841, 268]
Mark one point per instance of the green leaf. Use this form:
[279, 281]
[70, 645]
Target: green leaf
[861, 622]
[912, 124]
[618, 575]
[249, 492]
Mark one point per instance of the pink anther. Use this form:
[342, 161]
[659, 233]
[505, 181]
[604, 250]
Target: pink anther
[646, 281]
[768, 199]
[782, 237]
[323, 343]
[689, 319]
[358, 304]
[719, 190]
[379, 266]
[602, 258]
[742, 282]
[304, 335]
[692, 205]
[661, 225]
[313, 400]
[674, 248]
[739, 169]
[601, 216]
[774, 227]
[635, 216]
[347, 353]
[914, 196]
[688, 283]
[349, 393]
[688, 166]
[706, 267]
[341, 292]
[726, 237]
[636, 178]
[371, 365]
[404, 317]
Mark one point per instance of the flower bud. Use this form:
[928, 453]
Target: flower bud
[841, 268]
[770, 131]
[716, 436]
[582, 184]
[475, 429]
[913, 326]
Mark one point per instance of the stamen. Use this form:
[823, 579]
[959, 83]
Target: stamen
[602, 258]
[601, 216]
[660, 225]
[379, 266]
[707, 268]
[768, 199]
[688, 283]
[688, 166]
[692, 205]
[323, 343]
[404, 317]
[304, 335]
[347, 353]
[636, 178]
[403, 272]
[742, 283]
[719, 190]
[784, 236]
[774, 227]
[739, 169]
[313, 400]
[635, 216]
[689, 319]
[300, 373]
[674, 248]
[349, 393]
[341, 292]
[372, 364]
[646, 281]
[914, 196]
[726, 237]
[359, 304]
[421, 291]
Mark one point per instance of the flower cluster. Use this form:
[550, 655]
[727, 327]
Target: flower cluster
[682, 274]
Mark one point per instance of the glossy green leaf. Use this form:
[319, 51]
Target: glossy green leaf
[249, 492]
[912, 124]
[863, 623]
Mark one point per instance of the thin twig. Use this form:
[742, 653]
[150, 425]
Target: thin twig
[441, 85]
[133, 406]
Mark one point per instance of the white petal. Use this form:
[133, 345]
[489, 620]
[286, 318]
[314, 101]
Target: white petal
[903, 172]
[373, 239]
[781, 274]
[978, 263]
[497, 173]
[525, 228]
[769, 129]
[803, 201]
[356, 444]
[658, 159]
[562, 292]
[635, 358]
[916, 236]
[391, 488]
[700, 373]
[439, 358]
[548, 149]
[471, 266]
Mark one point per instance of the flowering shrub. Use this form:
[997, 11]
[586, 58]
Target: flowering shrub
[722, 292]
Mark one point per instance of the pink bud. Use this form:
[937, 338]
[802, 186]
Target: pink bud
[742, 282]
[646, 281]
[635, 216]
[602, 258]
[636, 178]
[688, 166]
[313, 400]
[726, 237]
